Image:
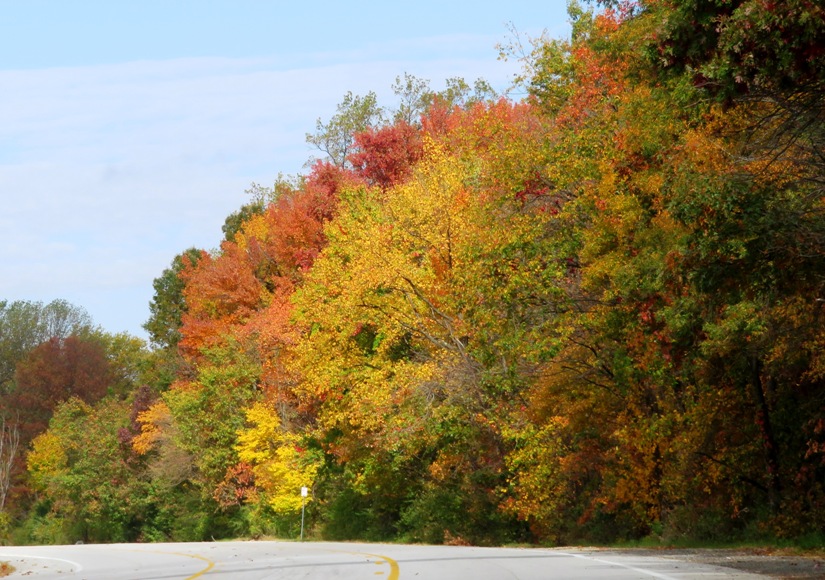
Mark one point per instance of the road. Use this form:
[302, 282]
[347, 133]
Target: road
[316, 560]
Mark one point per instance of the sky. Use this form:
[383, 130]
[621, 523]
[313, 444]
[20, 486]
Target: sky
[130, 130]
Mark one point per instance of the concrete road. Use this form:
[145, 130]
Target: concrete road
[316, 560]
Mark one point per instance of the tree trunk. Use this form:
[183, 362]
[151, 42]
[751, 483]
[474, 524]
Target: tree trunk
[9, 443]
[769, 445]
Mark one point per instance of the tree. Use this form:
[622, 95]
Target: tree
[262, 197]
[740, 48]
[62, 319]
[168, 303]
[208, 412]
[354, 114]
[53, 372]
[24, 325]
[260, 267]
[679, 211]
[235, 220]
[280, 462]
[410, 357]
[88, 487]
[415, 98]
[26, 329]
[385, 156]
[128, 360]
[458, 93]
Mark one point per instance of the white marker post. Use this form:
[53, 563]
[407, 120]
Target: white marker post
[304, 494]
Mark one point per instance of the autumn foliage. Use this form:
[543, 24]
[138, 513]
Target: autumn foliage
[594, 314]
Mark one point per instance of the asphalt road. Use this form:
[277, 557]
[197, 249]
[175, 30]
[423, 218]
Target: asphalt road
[315, 560]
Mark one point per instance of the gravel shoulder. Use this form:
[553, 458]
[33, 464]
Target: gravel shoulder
[767, 562]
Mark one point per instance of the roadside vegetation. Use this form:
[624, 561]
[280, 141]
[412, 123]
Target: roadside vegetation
[588, 311]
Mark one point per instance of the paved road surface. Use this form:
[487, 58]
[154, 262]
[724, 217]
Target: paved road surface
[316, 560]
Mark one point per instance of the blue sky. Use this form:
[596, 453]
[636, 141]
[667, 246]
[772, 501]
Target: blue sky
[129, 130]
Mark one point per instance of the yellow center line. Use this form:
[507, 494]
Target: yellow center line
[394, 571]
[210, 563]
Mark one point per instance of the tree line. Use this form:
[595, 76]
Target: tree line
[591, 314]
